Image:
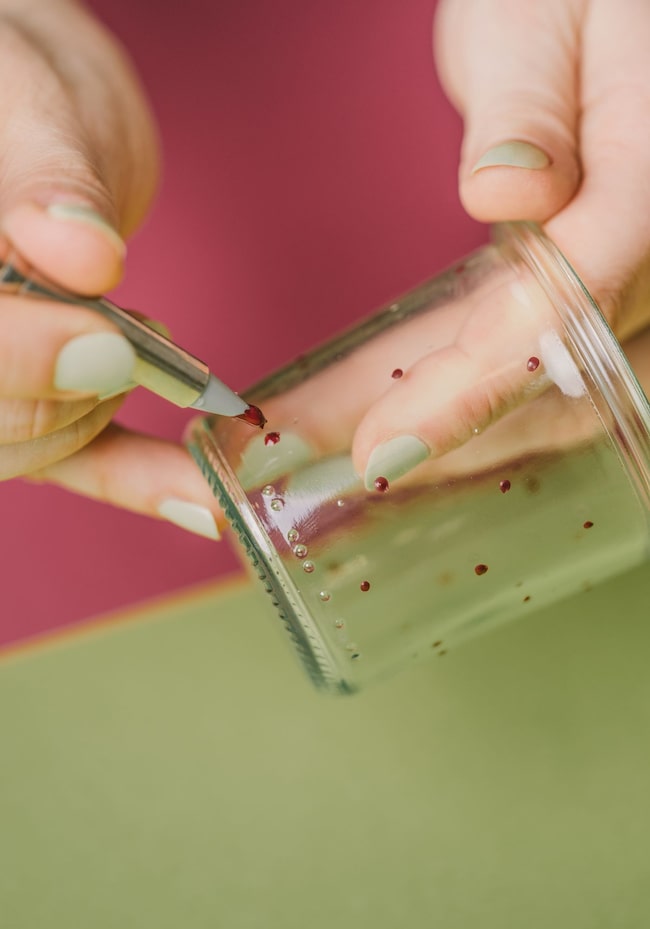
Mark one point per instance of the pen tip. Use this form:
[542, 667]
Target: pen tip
[218, 398]
[253, 415]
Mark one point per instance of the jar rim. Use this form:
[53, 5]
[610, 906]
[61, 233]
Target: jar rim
[592, 340]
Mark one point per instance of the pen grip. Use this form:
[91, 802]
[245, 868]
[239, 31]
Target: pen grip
[161, 365]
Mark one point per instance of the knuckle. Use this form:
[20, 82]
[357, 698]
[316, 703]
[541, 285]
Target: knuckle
[28, 420]
[24, 420]
[33, 455]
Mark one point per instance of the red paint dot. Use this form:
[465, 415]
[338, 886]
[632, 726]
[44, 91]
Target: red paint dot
[504, 486]
[480, 569]
[364, 585]
[254, 416]
[527, 598]
[271, 438]
[587, 525]
[397, 373]
[381, 484]
[533, 363]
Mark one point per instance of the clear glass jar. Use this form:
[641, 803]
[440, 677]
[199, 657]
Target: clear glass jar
[538, 487]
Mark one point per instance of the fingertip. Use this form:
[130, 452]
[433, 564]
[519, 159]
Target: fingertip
[394, 458]
[516, 180]
[193, 517]
[149, 476]
[72, 244]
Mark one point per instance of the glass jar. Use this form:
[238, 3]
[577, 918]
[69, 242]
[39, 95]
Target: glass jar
[527, 477]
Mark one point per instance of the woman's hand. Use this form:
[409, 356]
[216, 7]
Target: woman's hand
[79, 167]
[555, 98]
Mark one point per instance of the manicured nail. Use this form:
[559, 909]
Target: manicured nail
[80, 213]
[190, 516]
[262, 462]
[394, 459]
[513, 154]
[98, 362]
[332, 477]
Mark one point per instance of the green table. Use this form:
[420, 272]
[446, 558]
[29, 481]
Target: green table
[174, 770]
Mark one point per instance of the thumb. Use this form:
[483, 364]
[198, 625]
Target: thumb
[57, 208]
[512, 73]
[64, 232]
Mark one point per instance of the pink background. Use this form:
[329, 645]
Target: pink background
[310, 176]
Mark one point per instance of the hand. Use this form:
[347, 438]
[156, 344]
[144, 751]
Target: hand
[79, 168]
[555, 98]
[571, 80]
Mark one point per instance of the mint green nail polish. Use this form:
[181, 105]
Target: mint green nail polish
[513, 154]
[261, 463]
[97, 362]
[190, 516]
[86, 215]
[394, 458]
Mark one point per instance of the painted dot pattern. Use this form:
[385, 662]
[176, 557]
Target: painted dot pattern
[480, 569]
[533, 363]
[271, 438]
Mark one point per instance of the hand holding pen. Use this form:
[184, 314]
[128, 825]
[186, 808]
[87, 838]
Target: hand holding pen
[91, 369]
[79, 168]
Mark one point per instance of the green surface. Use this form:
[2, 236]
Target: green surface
[179, 772]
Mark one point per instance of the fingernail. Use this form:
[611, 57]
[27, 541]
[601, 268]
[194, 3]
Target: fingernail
[394, 459]
[97, 362]
[190, 516]
[332, 477]
[513, 154]
[80, 213]
[261, 463]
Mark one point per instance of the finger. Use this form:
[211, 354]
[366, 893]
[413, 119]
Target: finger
[49, 349]
[605, 230]
[21, 458]
[510, 68]
[142, 474]
[459, 390]
[320, 414]
[65, 188]
[457, 393]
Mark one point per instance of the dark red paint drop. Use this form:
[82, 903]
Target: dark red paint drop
[381, 484]
[504, 486]
[397, 373]
[364, 585]
[533, 363]
[480, 569]
[271, 438]
[587, 525]
[254, 416]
